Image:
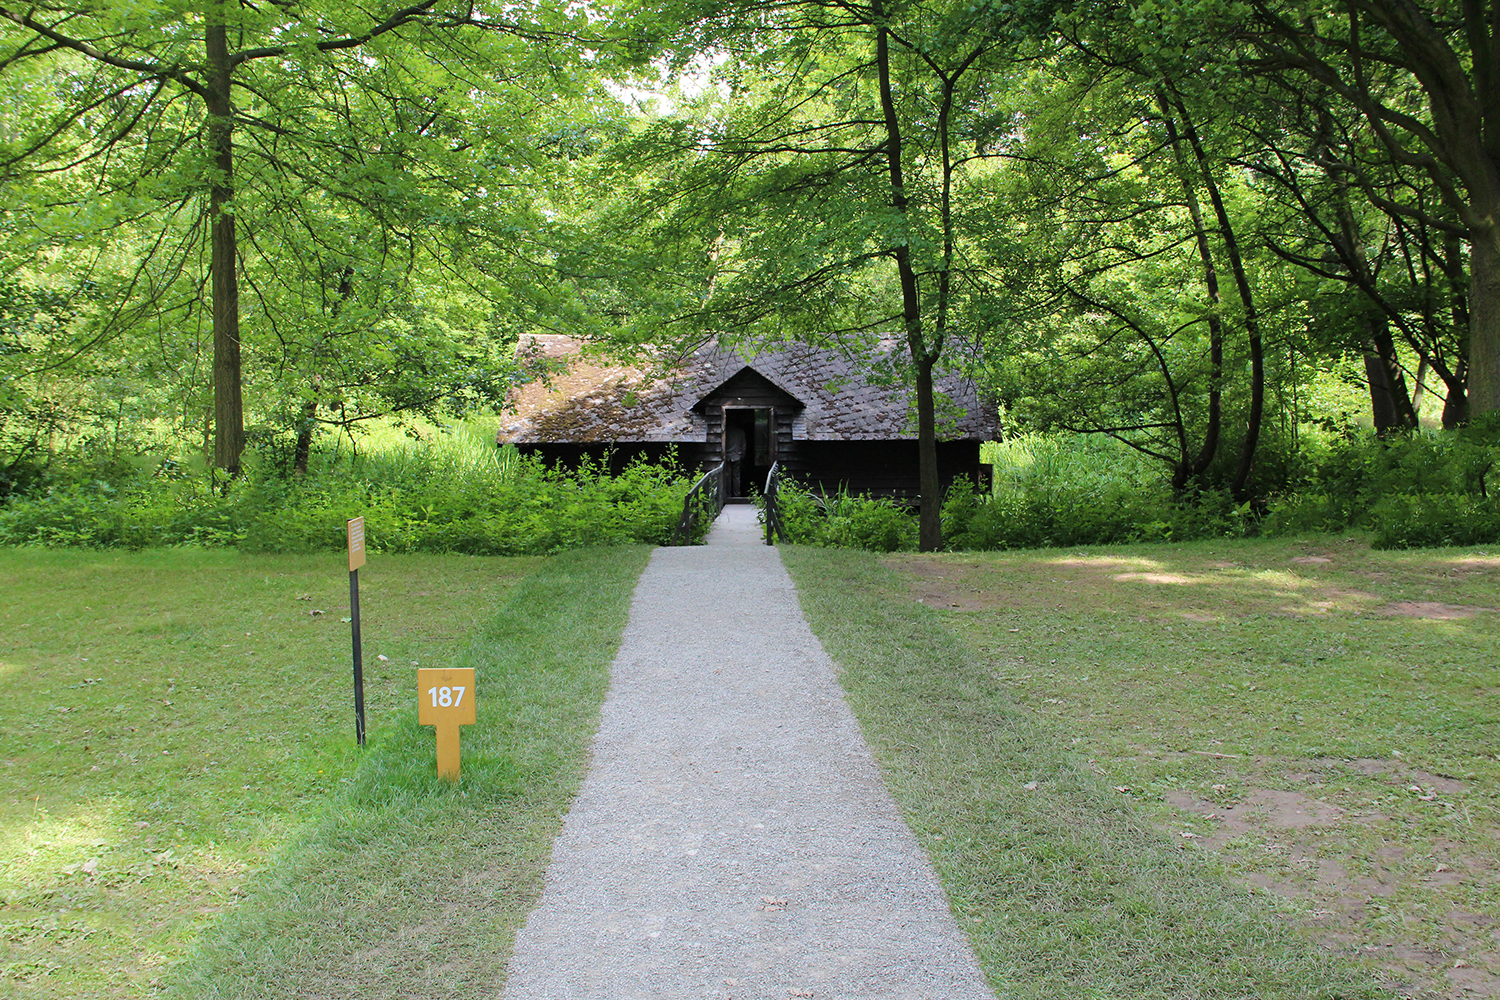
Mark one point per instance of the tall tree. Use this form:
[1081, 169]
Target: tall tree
[1363, 51]
[1127, 333]
[831, 194]
[185, 84]
[1129, 148]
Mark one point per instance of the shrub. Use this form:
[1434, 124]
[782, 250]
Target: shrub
[844, 520]
[422, 503]
[877, 524]
[1431, 519]
[1091, 513]
[1356, 470]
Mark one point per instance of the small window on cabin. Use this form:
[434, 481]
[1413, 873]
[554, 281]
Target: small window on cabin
[763, 437]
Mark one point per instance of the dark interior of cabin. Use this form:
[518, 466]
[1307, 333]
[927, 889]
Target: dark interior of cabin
[749, 450]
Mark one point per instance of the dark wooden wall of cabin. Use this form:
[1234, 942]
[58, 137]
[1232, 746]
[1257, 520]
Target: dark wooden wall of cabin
[879, 468]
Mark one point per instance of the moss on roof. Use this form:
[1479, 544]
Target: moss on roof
[576, 399]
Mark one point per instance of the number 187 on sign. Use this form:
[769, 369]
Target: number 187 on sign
[445, 699]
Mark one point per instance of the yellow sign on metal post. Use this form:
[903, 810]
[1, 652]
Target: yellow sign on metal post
[356, 528]
[445, 699]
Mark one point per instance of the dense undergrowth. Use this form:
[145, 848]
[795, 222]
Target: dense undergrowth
[1424, 489]
[415, 499]
[459, 494]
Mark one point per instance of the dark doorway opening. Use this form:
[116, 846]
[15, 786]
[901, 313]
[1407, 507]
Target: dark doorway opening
[749, 449]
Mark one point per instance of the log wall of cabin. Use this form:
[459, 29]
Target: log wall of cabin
[713, 448]
[879, 468]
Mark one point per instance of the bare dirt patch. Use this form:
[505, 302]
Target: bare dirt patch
[1327, 600]
[1261, 809]
[1346, 894]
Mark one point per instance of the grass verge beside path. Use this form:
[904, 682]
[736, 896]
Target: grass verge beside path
[1065, 889]
[168, 718]
[409, 886]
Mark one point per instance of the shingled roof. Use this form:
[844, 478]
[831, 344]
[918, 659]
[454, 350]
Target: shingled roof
[595, 402]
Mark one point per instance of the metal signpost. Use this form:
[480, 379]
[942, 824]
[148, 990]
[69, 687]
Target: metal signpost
[356, 529]
[445, 699]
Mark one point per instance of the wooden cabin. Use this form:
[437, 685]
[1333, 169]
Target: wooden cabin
[811, 409]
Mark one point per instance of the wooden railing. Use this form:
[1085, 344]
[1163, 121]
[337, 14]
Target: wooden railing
[774, 531]
[693, 503]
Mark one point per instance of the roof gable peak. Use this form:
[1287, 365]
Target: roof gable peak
[750, 387]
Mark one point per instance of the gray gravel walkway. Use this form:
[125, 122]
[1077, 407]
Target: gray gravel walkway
[733, 837]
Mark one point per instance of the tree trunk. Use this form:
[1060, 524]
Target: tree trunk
[1187, 470]
[1419, 389]
[309, 422]
[1456, 405]
[1483, 382]
[1390, 404]
[930, 511]
[229, 415]
[1382, 403]
[304, 437]
[930, 527]
[1247, 300]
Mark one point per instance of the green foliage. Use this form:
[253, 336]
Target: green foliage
[1410, 490]
[1027, 461]
[1428, 519]
[1050, 491]
[845, 521]
[393, 206]
[1066, 489]
[1061, 513]
[417, 500]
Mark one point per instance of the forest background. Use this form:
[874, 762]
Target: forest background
[1227, 267]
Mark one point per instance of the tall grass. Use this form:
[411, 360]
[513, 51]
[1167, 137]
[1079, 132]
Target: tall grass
[443, 490]
[1030, 462]
[461, 449]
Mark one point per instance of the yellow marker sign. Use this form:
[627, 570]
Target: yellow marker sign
[445, 699]
[356, 543]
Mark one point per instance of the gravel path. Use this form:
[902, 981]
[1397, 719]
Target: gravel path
[733, 838]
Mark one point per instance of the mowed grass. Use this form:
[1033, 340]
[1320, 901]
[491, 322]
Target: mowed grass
[1214, 770]
[1320, 718]
[173, 720]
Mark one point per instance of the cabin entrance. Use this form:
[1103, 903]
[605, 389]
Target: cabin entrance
[749, 449]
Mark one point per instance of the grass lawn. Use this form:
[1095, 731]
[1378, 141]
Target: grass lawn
[1261, 768]
[172, 720]
[1214, 770]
